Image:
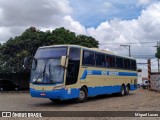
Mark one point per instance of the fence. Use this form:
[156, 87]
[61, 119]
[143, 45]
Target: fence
[155, 81]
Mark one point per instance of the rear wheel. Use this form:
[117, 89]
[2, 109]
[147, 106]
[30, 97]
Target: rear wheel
[55, 100]
[127, 90]
[83, 94]
[122, 93]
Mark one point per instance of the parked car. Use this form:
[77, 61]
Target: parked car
[8, 85]
[145, 84]
[139, 85]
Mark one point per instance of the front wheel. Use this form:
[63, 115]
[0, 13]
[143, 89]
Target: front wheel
[83, 94]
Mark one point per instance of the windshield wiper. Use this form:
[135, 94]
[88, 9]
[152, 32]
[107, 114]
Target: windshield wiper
[42, 73]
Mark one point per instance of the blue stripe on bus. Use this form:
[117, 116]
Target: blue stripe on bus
[108, 73]
[74, 92]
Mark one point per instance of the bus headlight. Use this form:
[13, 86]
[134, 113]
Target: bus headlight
[58, 87]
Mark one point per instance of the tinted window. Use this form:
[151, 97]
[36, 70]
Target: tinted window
[119, 62]
[133, 65]
[100, 60]
[127, 64]
[51, 52]
[73, 66]
[88, 58]
[111, 61]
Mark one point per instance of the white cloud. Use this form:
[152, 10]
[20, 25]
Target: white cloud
[73, 25]
[143, 2]
[17, 15]
[145, 28]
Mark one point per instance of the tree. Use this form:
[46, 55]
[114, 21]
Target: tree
[158, 53]
[16, 49]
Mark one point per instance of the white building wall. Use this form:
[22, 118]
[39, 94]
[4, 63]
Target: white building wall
[155, 82]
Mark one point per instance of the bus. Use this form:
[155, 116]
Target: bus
[61, 72]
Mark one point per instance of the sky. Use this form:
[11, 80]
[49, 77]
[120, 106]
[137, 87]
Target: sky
[111, 22]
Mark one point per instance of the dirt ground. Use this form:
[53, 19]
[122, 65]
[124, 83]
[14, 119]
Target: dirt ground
[139, 100]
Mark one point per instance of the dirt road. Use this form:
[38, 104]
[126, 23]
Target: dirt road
[138, 100]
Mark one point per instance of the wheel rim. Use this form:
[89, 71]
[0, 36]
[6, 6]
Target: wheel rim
[127, 90]
[81, 95]
[1, 89]
[16, 88]
[123, 91]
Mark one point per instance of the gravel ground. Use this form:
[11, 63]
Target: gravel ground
[139, 100]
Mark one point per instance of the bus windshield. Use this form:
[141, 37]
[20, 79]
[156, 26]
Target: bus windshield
[52, 52]
[47, 66]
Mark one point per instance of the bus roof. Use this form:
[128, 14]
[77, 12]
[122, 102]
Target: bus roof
[92, 49]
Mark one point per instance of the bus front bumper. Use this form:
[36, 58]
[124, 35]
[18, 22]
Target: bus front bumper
[55, 94]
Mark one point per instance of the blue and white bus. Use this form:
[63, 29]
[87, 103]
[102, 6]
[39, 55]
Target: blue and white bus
[61, 72]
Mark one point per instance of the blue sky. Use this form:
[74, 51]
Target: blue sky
[108, 21]
[93, 12]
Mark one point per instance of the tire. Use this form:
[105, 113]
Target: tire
[144, 87]
[16, 89]
[1, 89]
[122, 92]
[127, 90]
[83, 94]
[55, 100]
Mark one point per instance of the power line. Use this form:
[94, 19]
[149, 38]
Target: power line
[129, 42]
[129, 48]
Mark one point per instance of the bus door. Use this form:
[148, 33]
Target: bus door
[73, 66]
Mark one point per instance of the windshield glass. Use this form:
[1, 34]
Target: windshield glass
[46, 66]
[52, 52]
[47, 71]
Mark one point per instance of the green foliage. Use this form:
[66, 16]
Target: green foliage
[158, 53]
[16, 49]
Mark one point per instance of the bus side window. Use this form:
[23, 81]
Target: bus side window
[119, 62]
[127, 64]
[133, 65]
[111, 61]
[100, 60]
[107, 61]
[88, 58]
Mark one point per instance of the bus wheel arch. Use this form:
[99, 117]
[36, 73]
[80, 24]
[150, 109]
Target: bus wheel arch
[84, 86]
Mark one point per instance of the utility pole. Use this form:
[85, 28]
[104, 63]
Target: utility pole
[157, 46]
[149, 71]
[129, 48]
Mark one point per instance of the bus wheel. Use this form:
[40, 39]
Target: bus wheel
[1, 89]
[83, 94]
[127, 90]
[122, 93]
[55, 100]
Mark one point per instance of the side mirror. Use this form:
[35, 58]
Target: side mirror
[28, 63]
[63, 61]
